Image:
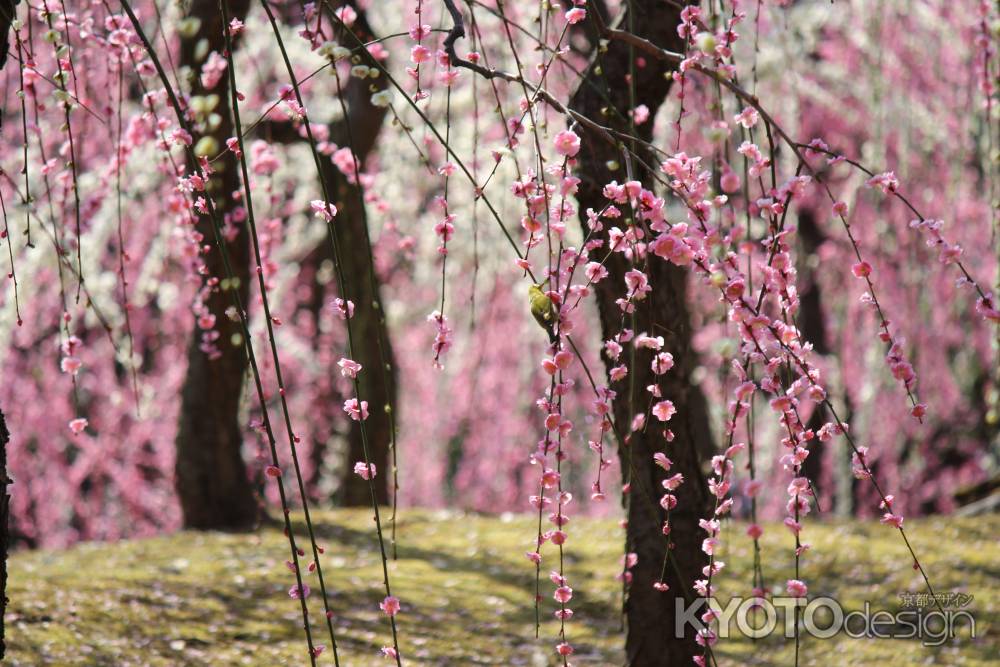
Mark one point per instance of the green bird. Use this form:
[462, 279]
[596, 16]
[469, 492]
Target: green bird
[542, 310]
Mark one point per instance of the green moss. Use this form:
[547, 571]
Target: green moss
[220, 599]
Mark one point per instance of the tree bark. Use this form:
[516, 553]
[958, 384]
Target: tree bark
[213, 485]
[4, 532]
[650, 615]
[371, 344]
[812, 322]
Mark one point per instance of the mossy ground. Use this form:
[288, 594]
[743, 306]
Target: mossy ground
[220, 599]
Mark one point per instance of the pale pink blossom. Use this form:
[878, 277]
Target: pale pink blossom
[357, 412]
[349, 368]
[567, 143]
[420, 54]
[664, 410]
[70, 365]
[390, 605]
[748, 117]
[343, 309]
[662, 363]
[365, 471]
[78, 425]
[796, 588]
[322, 209]
[297, 593]
[671, 483]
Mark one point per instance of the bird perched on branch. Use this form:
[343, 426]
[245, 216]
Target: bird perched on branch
[542, 310]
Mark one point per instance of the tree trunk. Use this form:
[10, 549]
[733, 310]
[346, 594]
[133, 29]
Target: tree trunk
[650, 615]
[212, 481]
[371, 345]
[372, 348]
[370, 331]
[5, 481]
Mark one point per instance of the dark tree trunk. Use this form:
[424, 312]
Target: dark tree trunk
[371, 344]
[212, 481]
[812, 323]
[587, 32]
[4, 532]
[650, 615]
[370, 331]
[372, 348]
